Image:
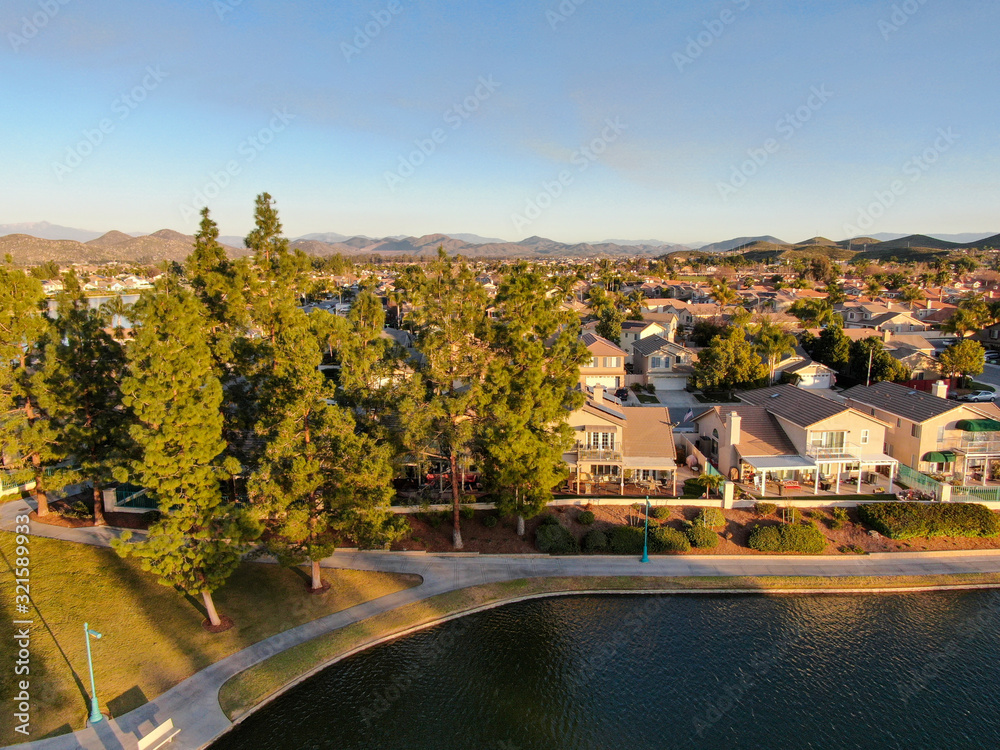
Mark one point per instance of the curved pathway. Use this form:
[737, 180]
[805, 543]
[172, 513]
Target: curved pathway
[193, 704]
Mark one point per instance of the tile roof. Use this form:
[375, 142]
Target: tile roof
[651, 344]
[648, 432]
[897, 399]
[798, 406]
[760, 433]
[600, 346]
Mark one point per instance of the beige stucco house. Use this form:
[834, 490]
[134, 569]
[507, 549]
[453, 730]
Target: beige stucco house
[931, 434]
[607, 363]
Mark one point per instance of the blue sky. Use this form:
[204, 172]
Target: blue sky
[578, 120]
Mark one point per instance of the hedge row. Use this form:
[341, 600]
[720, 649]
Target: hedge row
[909, 520]
[787, 537]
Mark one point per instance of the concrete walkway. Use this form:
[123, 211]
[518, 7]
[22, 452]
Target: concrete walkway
[193, 704]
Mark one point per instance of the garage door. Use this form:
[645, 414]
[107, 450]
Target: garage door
[608, 381]
[821, 380]
[669, 384]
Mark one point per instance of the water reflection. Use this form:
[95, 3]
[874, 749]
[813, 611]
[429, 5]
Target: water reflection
[906, 671]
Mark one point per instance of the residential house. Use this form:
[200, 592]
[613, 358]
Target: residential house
[618, 444]
[665, 365]
[607, 362]
[800, 370]
[929, 433]
[833, 443]
[633, 330]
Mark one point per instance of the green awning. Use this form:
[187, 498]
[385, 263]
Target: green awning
[978, 425]
[939, 457]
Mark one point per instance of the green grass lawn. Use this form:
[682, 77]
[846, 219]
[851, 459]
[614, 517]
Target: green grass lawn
[645, 398]
[153, 636]
[250, 687]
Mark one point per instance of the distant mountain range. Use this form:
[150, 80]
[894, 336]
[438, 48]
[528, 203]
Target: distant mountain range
[40, 242]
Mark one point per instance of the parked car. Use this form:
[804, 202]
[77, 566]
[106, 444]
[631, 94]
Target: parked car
[622, 394]
[992, 358]
[977, 396]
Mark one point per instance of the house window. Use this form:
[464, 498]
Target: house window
[594, 362]
[915, 430]
[899, 422]
[677, 360]
[656, 363]
[864, 437]
[940, 434]
[604, 470]
[611, 361]
[994, 333]
[827, 439]
[601, 440]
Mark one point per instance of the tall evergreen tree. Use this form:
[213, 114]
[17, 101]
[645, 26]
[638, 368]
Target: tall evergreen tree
[528, 394]
[26, 438]
[452, 342]
[175, 398]
[82, 372]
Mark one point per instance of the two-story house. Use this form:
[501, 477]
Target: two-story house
[833, 442]
[618, 444]
[665, 365]
[607, 362]
[633, 330]
[929, 433]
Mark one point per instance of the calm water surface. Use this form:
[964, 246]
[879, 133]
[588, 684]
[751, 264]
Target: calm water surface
[905, 671]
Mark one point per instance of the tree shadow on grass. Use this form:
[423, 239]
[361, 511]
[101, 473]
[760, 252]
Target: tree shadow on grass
[7, 620]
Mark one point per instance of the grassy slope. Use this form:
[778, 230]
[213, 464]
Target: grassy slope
[153, 637]
[254, 685]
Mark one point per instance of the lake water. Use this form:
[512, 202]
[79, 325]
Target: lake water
[904, 671]
[95, 304]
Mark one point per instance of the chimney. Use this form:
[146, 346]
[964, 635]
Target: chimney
[598, 394]
[734, 433]
[930, 305]
[886, 336]
[940, 389]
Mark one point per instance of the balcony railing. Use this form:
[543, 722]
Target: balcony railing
[847, 451]
[969, 446]
[599, 454]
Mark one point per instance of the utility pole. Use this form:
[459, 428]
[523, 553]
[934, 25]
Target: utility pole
[871, 352]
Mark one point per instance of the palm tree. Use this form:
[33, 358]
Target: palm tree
[773, 343]
[873, 287]
[723, 294]
[814, 312]
[911, 294]
[711, 482]
[112, 310]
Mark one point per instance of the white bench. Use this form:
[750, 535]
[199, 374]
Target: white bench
[159, 736]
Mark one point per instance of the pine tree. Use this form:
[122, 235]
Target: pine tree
[528, 394]
[26, 437]
[82, 371]
[175, 398]
[452, 342]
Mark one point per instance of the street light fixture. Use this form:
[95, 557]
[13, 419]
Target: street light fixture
[645, 536]
[95, 712]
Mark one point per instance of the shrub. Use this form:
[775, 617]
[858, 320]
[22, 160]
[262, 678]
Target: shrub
[909, 520]
[692, 488]
[595, 541]
[585, 517]
[78, 510]
[490, 521]
[713, 518]
[548, 519]
[666, 539]
[626, 540]
[839, 518]
[787, 538]
[637, 506]
[467, 511]
[555, 540]
[765, 509]
[852, 549]
[702, 537]
[662, 512]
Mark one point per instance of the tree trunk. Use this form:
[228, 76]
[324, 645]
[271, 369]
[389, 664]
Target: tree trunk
[98, 507]
[520, 525]
[456, 502]
[40, 496]
[317, 580]
[213, 616]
